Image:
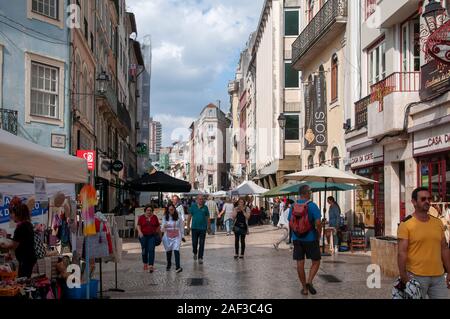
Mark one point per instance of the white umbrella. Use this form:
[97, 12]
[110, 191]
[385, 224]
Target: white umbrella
[329, 174]
[248, 188]
[221, 194]
[22, 160]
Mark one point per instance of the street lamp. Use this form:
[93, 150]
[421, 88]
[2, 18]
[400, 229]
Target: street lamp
[433, 15]
[282, 123]
[102, 79]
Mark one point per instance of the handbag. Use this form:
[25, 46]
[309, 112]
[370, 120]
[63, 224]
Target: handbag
[96, 246]
[158, 239]
[39, 247]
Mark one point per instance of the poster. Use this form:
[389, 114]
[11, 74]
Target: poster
[40, 189]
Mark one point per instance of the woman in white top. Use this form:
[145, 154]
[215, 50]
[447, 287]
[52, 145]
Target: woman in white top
[283, 223]
[172, 226]
[227, 209]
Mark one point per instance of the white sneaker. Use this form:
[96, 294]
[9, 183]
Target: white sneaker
[195, 257]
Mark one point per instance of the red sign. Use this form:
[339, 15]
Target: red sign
[89, 156]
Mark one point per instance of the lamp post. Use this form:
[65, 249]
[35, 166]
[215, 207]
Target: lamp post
[433, 15]
[282, 124]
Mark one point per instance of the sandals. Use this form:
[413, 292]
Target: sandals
[311, 289]
[305, 292]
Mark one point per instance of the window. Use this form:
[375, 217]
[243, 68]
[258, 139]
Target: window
[290, 76]
[48, 8]
[291, 22]
[210, 161]
[335, 157]
[310, 162]
[310, 10]
[322, 158]
[210, 179]
[44, 90]
[377, 64]
[292, 130]
[334, 78]
[411, 46]
[210, 127]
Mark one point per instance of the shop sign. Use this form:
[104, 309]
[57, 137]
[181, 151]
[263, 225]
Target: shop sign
[38, 209]
[424, 143]
[117, 166]
[106, 166]
[89, 156]
[435, 79]
[58, 141]
[365, 157]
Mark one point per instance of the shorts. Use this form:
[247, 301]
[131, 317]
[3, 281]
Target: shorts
[309, 248]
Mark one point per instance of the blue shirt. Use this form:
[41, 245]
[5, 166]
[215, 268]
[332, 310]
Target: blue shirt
[314, 215]
[335, 216]
[199, 217]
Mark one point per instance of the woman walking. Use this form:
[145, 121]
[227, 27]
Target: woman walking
[148, 229]
[173, 234]
[283, 223]
[23, 240]
[241, 215]
[227, 213]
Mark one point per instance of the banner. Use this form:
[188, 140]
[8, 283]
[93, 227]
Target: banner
[316, 131]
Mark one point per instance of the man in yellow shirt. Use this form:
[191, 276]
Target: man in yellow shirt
[422, 249]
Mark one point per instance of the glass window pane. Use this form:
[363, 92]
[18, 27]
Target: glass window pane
[291, 76]
[292, 130]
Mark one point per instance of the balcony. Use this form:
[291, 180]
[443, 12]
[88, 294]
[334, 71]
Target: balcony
[394, 12]
[124, 116]
[8, 121]
[361, 112]
[388, 100]
[319, 33]
[111, 98]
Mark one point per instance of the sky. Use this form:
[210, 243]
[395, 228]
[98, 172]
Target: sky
[196, 48]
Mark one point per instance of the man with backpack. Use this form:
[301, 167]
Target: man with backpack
[305, 224]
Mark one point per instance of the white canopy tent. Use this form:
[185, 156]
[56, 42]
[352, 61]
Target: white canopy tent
[221, 194]
[21, 161]
[248, 188]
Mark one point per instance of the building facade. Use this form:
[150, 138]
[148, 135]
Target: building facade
[277, 87]
[155, 137]
[208, 167]
[35, 73]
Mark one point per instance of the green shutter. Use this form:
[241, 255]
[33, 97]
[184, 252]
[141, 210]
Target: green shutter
[290, 76]
[291, 22]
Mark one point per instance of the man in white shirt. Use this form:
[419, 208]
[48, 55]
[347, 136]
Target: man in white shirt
[213, 211]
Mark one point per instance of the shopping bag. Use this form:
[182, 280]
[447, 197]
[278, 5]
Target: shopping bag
[96, 246]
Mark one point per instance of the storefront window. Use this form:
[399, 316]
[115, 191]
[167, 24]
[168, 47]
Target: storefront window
[369, 208]
[435, 174]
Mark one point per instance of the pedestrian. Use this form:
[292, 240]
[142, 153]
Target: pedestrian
[200, 223]
[308, 243]
[173, 233]
[276, 212]
[227, 214]
[148, 229]
[334, 213]
[213, 212]
[422, 249]
[23, 239]
[283, 224]
[241, 214]
[180, 210]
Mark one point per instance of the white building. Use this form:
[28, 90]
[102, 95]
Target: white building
[155, 137]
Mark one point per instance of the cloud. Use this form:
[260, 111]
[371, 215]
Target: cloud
[196, 46]
[175, 128]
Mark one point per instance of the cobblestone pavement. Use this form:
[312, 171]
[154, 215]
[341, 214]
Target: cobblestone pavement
[264, 273]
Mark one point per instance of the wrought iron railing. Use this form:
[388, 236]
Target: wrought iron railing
[319, 25]
[8, 120]
[361, 112]
[396, 82]
[124, 116]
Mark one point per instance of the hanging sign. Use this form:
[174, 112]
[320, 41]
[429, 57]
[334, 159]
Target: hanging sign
[316, 133]
[89, 156]
[117, 166]
[40, 189]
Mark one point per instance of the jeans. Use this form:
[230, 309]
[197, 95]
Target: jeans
[228, 225]
[433, 287]
[198, 235]
[169, 258]
[239, 236]
[148, 249]
[213, 226]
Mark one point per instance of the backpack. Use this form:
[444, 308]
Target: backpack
[300, 223]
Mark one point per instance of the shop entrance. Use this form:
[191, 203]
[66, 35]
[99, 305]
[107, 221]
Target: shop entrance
[434, 173]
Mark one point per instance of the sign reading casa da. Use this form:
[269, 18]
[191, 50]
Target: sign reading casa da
[89, 156]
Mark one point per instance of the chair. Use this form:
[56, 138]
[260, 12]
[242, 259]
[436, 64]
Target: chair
[358, 239]
[122, 226]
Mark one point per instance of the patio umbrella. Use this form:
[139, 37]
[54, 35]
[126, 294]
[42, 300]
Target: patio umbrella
[328, 174]
[194, 192]
[279, 191]
[159, 182]
[319, 187]
[221, 194]
[248, 188]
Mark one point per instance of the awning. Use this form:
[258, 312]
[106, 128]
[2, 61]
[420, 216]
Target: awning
[22, 160]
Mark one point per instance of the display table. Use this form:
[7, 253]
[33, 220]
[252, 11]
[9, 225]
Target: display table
[384, 254]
